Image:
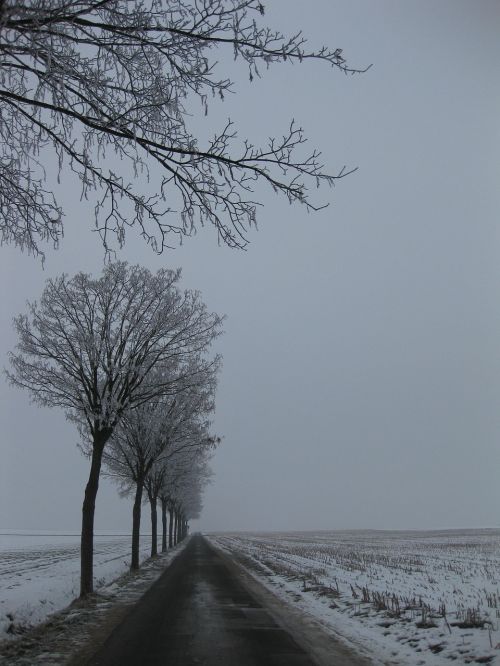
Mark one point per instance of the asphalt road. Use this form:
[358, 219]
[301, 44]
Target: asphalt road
[199, 613]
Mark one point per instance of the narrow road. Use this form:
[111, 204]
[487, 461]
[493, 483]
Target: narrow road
[199, 613]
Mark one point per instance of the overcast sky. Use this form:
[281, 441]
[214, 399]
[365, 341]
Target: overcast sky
[361, 378]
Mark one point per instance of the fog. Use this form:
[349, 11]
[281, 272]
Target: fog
[361, 377]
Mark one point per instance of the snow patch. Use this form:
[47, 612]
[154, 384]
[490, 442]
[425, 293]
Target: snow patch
[406, 597]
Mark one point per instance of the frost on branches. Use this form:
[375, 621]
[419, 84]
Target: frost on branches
[152, 442]
[182, 488]
[101, 347]
[94, 78]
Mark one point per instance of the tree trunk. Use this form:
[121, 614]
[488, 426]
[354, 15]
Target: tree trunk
[88, 511]
[154, 527]
[175, 527]
[170, 529]
[136, 524]
[163, 526]
[179, 528]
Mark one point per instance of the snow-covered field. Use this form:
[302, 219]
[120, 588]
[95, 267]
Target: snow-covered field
[40, 573]
[400, 597]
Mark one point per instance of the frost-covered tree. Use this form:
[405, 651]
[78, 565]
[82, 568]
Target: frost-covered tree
[91, 79]
[137, 442]
[91, 346]
[183, 485]
[193, 443]
[154, 435]
[153, 485]
[189, 495]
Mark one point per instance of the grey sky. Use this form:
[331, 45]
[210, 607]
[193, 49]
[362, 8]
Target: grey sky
[361, 379]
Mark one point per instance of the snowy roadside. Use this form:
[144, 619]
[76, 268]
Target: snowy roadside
[72, 635]
[356, 585]
[40, 573]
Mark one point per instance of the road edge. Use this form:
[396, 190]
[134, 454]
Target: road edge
[72, 635]
[323, 647]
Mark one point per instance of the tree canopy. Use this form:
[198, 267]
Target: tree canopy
[98, 346]
[94, 78]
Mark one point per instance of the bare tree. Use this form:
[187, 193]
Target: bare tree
[158, 432]
[189, 494]
[94, 77]
[137, 442]
[193, 443]
[90, 346]
[183, 485]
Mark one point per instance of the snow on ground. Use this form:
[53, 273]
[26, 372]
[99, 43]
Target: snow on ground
[40, 573]
[404, 597]
[74, 634]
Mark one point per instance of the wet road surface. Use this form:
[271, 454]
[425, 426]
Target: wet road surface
[199, 613]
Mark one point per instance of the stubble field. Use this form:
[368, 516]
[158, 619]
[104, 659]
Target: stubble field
[399, 597]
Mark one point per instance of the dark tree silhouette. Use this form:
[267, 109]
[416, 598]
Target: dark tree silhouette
[92, 347]
[152, 437]
[92, 78]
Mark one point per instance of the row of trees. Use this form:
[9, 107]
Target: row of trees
[127, 356]
[162, 449]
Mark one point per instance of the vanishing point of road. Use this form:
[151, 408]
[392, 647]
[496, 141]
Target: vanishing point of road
[199, 613]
